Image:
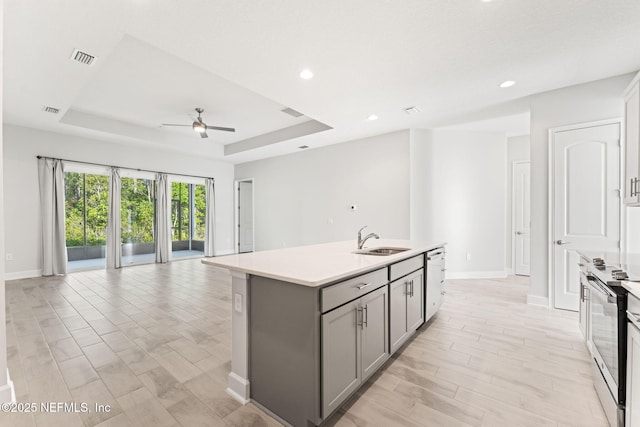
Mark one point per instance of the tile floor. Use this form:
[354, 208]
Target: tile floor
[152, 342]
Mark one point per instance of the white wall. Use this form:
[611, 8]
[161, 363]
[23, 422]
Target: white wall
[22, 205]
[459, 196]
[6, 387]
[518, 149]
[304, 198]
[576, 104]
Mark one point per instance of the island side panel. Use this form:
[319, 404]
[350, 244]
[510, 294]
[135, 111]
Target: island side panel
[238, 379]
[284, 336]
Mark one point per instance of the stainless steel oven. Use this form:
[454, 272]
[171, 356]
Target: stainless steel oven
[609, 336]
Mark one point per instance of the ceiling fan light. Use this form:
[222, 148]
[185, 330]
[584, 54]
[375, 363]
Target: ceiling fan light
[199, 127]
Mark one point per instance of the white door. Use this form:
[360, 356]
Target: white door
[245, 216]
[586, 202]
[521, 217]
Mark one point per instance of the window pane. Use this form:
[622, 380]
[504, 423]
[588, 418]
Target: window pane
[200, 198]
[179, 211]
[97, 194]
[74, 208]
[137, 208]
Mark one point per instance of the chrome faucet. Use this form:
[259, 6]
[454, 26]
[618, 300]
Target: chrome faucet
[367, 237]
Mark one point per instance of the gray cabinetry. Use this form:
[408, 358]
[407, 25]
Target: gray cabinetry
[341, 371]
[406, 307]
[354, 346]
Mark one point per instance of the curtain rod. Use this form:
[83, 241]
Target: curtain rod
[121, 167]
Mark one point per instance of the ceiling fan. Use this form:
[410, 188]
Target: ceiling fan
[201, 127]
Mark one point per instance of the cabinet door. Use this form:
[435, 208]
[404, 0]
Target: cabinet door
[632, 145]
[633, 376]
[398, 313]
[415, 300]
[341, 371]
[374, 332]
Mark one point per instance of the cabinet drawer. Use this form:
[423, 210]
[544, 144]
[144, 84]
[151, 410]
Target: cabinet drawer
[405, 267]
[343, 292]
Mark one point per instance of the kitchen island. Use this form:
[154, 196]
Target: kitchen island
[310, 324]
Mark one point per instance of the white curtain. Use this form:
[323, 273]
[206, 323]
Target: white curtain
[210, 222]
[54, 247]
[114, 246]
[163, 220]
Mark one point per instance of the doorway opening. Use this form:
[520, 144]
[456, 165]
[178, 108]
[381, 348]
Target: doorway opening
[245, 236]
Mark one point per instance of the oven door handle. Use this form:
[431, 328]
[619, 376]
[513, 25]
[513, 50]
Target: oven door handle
[611, 297]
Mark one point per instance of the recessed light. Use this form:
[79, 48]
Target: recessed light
[372, 117]
[507, 83]
[306, 74]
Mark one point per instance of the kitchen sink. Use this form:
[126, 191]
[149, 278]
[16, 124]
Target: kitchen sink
[383, 251]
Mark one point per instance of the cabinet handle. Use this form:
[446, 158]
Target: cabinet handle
[365, 315]
[411, 288]
[358, 317]
[366, 285]
[581, 292]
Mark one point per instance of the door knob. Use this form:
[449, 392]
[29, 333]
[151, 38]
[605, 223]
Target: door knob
[561, 242]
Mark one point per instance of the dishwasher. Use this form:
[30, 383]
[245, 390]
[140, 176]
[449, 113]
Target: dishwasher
[435, 281]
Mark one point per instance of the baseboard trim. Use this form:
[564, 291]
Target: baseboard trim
[238, 388]
[28, 274]
[7, 391]
[538, 300]
[225, 252]
[498, 274]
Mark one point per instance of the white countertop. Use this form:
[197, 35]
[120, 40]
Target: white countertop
[317, 265]
[632, 287]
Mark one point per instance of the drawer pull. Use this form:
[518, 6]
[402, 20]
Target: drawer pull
[361, 287]
[365, 315]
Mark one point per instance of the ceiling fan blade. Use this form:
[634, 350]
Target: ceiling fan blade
[221, 128]
[171, 124]
[204, 135]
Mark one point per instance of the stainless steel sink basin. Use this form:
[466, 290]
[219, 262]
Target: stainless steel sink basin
[382, 251]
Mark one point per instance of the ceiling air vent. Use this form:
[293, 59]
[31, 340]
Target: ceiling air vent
[412, 110]
[82, 57]
[51, 110]
[292, 112]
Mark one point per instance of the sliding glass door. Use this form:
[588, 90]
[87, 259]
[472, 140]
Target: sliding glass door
[188, 210]
[86, 208]
[137, 215]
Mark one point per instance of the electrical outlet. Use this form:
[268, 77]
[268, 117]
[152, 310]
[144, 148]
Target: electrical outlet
[468, 256]
[237, 302]
[9, 257]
